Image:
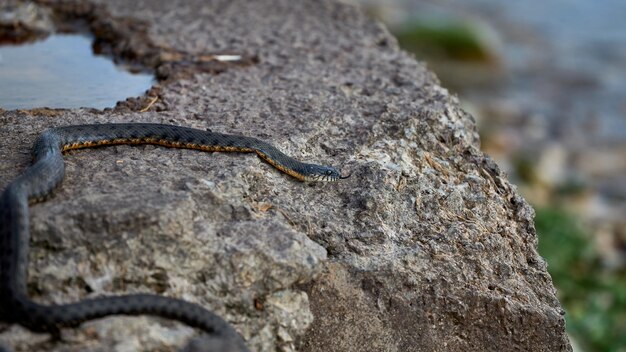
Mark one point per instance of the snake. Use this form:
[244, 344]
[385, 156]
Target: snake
[46, 173]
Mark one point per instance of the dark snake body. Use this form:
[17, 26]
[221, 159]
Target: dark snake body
[47, 172]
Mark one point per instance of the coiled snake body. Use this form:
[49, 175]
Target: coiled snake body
[47, 172]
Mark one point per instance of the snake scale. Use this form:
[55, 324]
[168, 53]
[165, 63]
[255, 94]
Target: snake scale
[46, 173]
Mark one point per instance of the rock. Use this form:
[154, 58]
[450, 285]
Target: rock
[552, 164]
[601, 161]
[427, 247]
[24, 21]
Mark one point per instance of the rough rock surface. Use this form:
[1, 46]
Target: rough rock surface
[426, 248]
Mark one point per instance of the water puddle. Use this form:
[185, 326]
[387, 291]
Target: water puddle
[62, 71]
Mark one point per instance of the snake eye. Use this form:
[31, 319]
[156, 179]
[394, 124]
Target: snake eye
[328, 172]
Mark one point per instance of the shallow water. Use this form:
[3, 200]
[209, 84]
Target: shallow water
[566, 59]
[62, 71]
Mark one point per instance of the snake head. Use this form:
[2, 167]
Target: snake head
[322, 173]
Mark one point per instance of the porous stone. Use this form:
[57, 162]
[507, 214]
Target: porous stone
[427, 247]
[23, 21]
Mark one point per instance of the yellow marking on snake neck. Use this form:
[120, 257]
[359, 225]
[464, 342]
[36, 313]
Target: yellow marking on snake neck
[289, 172]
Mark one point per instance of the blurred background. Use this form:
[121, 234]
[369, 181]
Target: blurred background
[546, 81]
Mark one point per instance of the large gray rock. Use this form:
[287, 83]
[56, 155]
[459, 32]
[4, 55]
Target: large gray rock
[427, 247]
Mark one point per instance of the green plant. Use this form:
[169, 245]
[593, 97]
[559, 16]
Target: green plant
[593, 296]
[455, 40]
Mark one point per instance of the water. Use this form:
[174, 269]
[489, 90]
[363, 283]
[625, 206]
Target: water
[583, 54]
[566, 58]
[63, 72]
